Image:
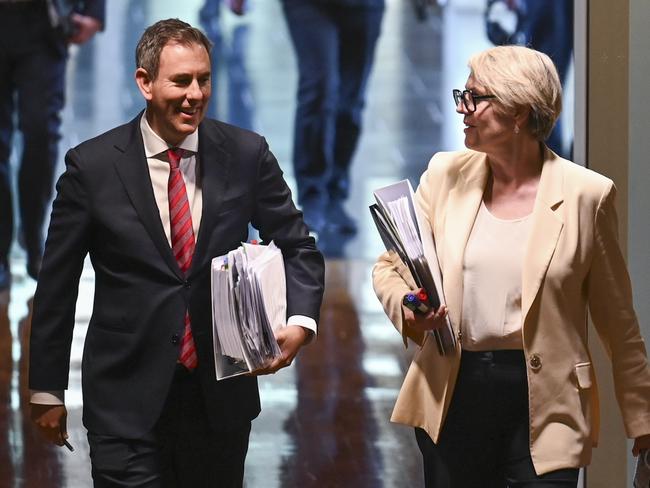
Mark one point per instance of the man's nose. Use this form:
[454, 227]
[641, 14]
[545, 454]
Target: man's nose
[194, 91]
[461, 108]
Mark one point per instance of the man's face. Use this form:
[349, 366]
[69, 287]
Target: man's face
[177, 99]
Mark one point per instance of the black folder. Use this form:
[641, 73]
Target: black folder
[410, 252]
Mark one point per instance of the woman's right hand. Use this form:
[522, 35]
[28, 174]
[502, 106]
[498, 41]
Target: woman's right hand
[434, 319]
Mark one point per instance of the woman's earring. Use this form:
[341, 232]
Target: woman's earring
[516, 129]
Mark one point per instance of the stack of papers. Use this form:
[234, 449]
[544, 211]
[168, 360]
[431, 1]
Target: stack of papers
[402, 230]
[248, 305]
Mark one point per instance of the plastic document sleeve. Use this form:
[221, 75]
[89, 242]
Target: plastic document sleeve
[248, 305]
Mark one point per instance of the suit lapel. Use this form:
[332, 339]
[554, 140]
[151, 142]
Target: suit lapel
[462, 207]
[134, 173]
[545, 230]
[214, 163]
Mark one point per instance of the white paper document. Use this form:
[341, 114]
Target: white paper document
[248, 305]
[642, 471]
[408, 233]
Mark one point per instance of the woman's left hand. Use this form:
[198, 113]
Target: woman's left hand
[641, 444]
[434, 319]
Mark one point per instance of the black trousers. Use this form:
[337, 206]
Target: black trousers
[32, 70]
[182, 451]
[484, 442]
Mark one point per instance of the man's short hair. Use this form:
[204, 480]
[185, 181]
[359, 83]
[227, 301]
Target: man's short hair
[158, 35]
[521, 77]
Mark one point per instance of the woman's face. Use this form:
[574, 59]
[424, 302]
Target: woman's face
[486, 130]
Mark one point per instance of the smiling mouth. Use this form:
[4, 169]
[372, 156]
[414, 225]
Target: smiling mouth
[189, 111]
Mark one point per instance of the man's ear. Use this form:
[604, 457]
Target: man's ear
[144, 81]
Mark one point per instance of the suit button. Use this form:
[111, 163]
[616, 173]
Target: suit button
[187, 285]
[535, 362]
[175, 339]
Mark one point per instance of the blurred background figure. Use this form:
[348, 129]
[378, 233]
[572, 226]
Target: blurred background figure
[210, 12]
[548, 27]
[34, 35]
[544, 25]
[335, 44]
[233, 101]
[334, 405]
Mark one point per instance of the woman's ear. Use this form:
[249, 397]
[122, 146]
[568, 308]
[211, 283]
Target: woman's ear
[521, 116]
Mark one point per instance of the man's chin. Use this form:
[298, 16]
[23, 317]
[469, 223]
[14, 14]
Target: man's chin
[186, 128]
[190, 124]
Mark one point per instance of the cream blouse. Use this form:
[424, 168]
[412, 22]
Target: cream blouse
[492, 277]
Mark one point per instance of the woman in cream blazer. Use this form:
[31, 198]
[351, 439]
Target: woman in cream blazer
[571, 263]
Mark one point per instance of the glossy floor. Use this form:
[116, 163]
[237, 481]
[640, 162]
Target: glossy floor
[325, 420]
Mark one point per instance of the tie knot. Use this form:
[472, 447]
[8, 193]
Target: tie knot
[174, 154]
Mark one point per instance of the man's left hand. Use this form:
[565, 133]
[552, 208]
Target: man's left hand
[641, 444]
[85, 28]
[290, 339]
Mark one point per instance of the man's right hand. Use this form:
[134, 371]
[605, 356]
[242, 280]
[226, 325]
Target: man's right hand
[51, 421]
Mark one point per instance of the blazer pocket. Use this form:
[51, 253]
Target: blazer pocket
[119, 327]
[232, 203]
[583, 375]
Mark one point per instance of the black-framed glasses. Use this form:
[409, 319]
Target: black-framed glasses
[469, 99]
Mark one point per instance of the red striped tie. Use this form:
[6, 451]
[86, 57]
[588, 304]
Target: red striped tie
[182, 234]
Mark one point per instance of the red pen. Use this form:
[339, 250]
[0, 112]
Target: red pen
[417, 302]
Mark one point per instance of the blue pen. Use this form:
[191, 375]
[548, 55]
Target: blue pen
[417, 302]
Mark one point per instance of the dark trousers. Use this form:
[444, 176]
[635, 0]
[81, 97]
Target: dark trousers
[183, 451]
[334, 44]
[484, 442]
[32, 69]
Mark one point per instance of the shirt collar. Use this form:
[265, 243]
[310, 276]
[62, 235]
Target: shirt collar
[155, 145]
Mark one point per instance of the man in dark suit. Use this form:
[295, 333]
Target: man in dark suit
[34, 36]
[155, 414]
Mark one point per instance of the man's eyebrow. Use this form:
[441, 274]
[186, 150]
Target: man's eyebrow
[190, 75]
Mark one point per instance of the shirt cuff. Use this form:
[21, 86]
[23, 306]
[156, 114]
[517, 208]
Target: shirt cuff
[303, 321]
[47, 397]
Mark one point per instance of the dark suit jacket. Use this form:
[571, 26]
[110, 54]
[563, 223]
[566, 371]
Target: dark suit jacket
[105, 207]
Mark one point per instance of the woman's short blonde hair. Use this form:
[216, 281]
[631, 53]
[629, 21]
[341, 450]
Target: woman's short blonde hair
[521, 77]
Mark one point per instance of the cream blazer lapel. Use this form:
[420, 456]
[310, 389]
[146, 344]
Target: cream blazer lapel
[462, 207]
[545, 231]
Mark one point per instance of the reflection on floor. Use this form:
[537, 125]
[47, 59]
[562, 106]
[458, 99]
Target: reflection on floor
[325, 420]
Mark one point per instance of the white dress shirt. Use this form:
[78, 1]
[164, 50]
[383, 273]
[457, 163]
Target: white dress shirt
[155, 149]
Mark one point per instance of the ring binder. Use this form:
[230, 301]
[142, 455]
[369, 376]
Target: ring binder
[400, 229]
